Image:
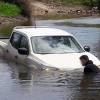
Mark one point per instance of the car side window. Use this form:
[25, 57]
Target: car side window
[73, 46]
[24, 43]
[15, 40]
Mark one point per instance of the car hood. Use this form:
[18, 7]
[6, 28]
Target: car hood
[64, 61]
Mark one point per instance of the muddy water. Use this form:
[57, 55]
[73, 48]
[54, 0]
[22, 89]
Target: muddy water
[18, 82]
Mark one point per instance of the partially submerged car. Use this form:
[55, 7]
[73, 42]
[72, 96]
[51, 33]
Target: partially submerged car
[44, 48]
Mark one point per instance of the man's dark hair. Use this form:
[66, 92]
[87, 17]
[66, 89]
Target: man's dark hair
[84, 57]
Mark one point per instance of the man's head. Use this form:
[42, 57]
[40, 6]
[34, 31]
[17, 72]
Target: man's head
[84, 59]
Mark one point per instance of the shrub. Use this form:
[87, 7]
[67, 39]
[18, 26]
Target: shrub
[99, 6]
[9, 9]
[24, 6]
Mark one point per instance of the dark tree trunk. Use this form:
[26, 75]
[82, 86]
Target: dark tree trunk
[92, 4]
[99, 6]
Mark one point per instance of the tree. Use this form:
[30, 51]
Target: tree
[99, 6]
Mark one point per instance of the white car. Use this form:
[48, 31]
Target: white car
[45, 48]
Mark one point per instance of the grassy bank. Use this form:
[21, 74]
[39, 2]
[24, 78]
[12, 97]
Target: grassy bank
[23, 6]
[9, 9]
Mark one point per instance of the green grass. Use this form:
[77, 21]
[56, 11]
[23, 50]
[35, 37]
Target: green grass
[23, 5]
[9, 9]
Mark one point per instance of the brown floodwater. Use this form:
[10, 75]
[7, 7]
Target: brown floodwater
[18, 82]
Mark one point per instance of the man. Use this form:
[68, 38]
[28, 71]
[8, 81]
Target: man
[89, 66]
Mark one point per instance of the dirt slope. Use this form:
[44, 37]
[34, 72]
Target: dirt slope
[44, 8]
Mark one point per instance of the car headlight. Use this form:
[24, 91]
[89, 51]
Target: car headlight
[99, 66]
[49, 68]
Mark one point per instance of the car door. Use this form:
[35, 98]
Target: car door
[13, 45]
[23, 44]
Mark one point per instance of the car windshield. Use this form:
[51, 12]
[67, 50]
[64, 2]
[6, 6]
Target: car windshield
[55, 45]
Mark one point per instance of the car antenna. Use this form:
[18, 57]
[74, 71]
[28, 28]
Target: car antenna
[34, 17]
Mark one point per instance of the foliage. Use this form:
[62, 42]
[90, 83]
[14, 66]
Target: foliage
[99, 6]
[24, 6]
[9, 9]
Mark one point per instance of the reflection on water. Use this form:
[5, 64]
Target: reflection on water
[5, 30]
[86, 20]
[87, 79]
[18, 82]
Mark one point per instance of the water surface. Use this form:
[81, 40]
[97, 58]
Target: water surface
[18, 82]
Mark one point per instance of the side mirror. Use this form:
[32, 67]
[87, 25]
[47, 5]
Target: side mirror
[87, 48]
[23, 51]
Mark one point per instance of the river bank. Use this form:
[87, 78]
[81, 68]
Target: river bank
[42, 8]
[11, 19]
[10, 13]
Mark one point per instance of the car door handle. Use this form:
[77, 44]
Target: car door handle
[7, 51]
[16, 57]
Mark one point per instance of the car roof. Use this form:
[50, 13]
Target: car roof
[42, 31]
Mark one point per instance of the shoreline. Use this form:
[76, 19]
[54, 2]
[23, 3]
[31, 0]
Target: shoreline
[42, 8]
[20, 19]
[47, 11]
[11, 19]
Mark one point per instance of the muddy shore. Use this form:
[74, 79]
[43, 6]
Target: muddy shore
[41, 8]
[11, 19]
